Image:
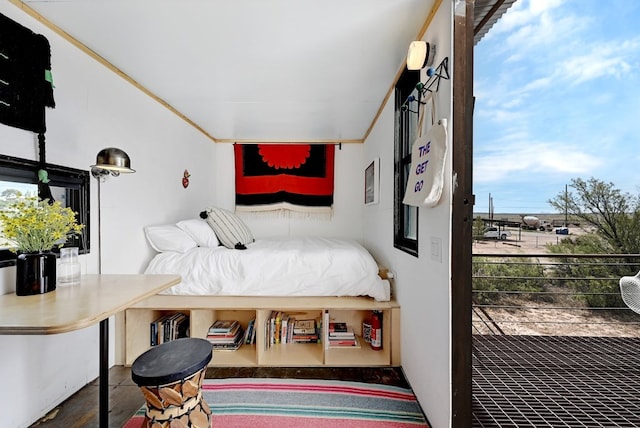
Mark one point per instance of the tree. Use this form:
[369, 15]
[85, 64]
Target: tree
[478, 227]
[614, 215]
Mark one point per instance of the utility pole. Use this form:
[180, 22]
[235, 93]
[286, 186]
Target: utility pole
[566, 203]
[491, 208]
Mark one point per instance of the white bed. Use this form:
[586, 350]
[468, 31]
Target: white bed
[275, 267]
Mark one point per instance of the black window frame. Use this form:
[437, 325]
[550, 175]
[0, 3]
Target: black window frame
[77, 185]
[406, 119]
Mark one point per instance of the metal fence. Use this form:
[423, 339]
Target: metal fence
[553, 295]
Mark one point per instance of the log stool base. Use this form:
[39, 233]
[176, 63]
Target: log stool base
[170, 377]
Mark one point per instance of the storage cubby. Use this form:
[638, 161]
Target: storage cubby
[288, 354]
[365, 354]
[204, 310]
[245, 355]
[138, 329]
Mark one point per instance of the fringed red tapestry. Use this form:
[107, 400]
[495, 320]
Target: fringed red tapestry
[296, 177]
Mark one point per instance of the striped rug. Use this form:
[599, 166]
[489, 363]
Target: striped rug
[301, 403]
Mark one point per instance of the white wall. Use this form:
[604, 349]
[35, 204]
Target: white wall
[96, 109]
[422, 284]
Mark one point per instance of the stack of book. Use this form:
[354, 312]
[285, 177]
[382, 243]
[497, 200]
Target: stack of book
[304, 331]
[226, 335]
[341, 336]
[169, 327]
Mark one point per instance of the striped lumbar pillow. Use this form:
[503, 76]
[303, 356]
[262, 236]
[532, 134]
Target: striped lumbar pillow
[229, 228]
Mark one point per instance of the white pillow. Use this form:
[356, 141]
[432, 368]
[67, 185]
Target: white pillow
[169, 238]
[229, 228]
[200, 231]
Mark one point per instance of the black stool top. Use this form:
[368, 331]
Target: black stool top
[171, 362]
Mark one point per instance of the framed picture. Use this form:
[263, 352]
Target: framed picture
[372, 182]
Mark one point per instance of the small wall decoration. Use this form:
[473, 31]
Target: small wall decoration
[185, 179]
[372, 182]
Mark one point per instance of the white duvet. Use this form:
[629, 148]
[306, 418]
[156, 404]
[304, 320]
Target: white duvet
[276, 267]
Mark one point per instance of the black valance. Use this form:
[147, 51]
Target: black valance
[25, 76]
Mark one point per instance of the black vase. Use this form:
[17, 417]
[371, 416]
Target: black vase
[35, 273]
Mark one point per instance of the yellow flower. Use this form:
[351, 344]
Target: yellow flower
[33, 225]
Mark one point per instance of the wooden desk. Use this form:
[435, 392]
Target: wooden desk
[72, 307]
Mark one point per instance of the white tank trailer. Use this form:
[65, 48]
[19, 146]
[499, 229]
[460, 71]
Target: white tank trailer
[534, 223]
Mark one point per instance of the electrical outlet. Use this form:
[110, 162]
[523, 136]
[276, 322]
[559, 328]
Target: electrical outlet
[436, 249]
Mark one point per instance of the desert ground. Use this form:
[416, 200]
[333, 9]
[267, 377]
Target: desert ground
[540, 318]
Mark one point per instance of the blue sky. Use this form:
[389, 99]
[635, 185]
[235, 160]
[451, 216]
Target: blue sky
[557, 86]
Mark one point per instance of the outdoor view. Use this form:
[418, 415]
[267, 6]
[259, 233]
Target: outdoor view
[10, 192]
[557, 216]
[555, 149]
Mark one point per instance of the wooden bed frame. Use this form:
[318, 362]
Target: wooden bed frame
[133, 328]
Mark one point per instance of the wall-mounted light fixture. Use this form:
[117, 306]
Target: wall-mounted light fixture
[420, 55]
[109, 161]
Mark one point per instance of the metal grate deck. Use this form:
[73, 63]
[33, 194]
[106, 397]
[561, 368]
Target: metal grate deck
[556, 381]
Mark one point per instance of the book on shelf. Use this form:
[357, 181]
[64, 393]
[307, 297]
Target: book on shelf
[277, 334]
[305, 331]
[338, 327]
[343, 343]
[231, 333]
[271, 328]
[169, 327]
[339, 334]
[223, 326]
[274, 328]
[348, 332]
[250, 333]
[282, 328]
[228, 346]
[226, 335]
[306, 326]
[305, 340]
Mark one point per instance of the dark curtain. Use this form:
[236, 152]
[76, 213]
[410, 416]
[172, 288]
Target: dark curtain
[25, 77]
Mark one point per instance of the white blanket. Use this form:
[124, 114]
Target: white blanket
[276, 267]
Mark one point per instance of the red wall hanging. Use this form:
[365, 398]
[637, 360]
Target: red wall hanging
[297, 177]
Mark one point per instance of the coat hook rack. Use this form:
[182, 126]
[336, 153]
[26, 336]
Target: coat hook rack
[441, 72]
[431, 85]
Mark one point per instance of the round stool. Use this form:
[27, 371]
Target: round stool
[170, 377]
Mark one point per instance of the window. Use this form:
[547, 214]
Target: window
[69, 186]
[405, 235]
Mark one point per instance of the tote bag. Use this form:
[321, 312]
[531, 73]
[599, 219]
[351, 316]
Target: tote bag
[426, 176]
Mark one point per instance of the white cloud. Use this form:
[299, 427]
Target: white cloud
[602, 59]
[532, 159]
[501, 115]
[524, 12]
[530, 24]
[540, 83]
